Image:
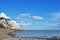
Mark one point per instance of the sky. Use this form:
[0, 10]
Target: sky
[33, 14]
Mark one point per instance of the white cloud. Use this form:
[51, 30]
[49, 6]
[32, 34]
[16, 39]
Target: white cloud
[56, 16]
[2, 14]
[28, 15]
[55, 20]
[52, 24]
[24, 16]
[26, 19]
[37, 17]
[25, 24]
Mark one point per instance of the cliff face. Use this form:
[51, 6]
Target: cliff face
[12, 24]
[5, 22]
[5, 27]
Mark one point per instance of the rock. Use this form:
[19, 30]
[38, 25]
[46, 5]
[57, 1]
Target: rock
[5, 22]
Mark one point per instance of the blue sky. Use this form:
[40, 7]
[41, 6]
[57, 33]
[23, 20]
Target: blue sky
[47, 10]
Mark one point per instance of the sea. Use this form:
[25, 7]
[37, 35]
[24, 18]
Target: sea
[38, 33]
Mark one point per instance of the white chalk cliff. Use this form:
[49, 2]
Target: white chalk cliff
[7, 23]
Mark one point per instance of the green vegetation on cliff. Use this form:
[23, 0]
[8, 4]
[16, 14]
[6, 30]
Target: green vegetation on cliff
[1, 26]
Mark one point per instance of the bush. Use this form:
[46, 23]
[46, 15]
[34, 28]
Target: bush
[1, 26]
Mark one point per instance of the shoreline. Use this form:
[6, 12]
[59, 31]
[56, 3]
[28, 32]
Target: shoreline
[8, 34]
[29, 38]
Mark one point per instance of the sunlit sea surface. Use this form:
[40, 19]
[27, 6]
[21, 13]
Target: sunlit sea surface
[38, 33]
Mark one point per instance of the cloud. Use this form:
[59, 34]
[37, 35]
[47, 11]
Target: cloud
[26, 19]
[37, 17]
[25, 24]
[2, 14]
[55, 20]
[24, 16]
[28, 16]
[52, 24]
[56, 17]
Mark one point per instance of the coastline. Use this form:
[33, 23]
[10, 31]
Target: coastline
[8, 34]
[29, 38]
